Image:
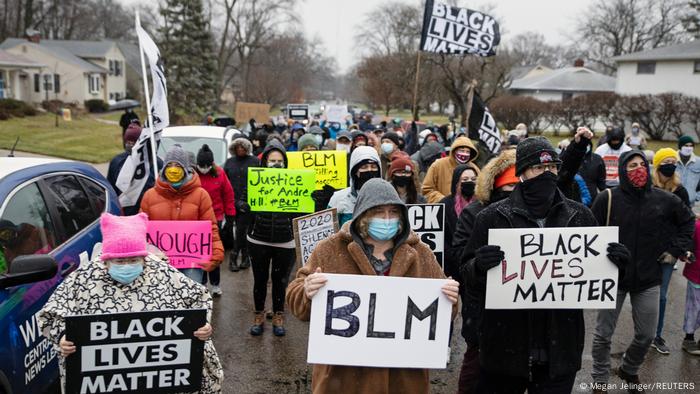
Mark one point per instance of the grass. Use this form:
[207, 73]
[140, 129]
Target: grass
[116, 115]
[83, 138]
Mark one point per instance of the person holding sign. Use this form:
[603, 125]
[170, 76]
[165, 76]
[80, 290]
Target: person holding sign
[378, 241]
[611, 151]
[528, 349]
[126, 277]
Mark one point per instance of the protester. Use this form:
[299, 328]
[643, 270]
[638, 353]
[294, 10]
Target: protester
[236, 168]
[318, 134]
[343, 142]
[689, 168]
[636, 139]
[611, 151]
[364, 165]
[438, 181]
[272, 239]
[390, 144]
[308, 142]
[215, 182]
[373, 142]
[178, 195]
[535, 349]
[592, 170]
[378, 241]
[127, 278]
[259, 141]
[127, 118]
[402, 175]
[691, 319]
[430, 152]
[657, 228]
[464, 179]
[358, 139]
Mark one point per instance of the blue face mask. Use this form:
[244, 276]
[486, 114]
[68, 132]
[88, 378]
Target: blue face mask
[383, 229]
[387, 147]
[125, 273]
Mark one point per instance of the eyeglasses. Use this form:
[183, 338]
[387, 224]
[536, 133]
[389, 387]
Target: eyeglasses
[540, 168]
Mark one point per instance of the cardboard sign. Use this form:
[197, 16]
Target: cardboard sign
[553, 268]
[247, 111]
[186, 242]
[611, 168]
[280, 190]
[380, 321]
[428, 222]
[331, 166]
[311, 229]
[138, 352]
[297, 111]
[336, 113]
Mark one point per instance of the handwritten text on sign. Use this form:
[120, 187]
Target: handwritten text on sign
[553, 268]
[428, 222]
[185, 242]
[331, 166]
[311, 229]
[280, 190]
[380, 321]
[153, 352]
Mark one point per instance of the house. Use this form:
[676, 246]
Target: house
[132, 68]
[532, 70]
[674, 68]
[75, 71]
[15, 74]
[561, 84]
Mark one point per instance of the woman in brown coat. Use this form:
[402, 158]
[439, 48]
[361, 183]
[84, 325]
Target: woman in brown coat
[377, 241]
[178, 195]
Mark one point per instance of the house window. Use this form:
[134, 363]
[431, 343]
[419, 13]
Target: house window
[111, 67]
[567, 96]
[94, 83]
[117, 68]
[696, 67]
[646, 67]
[48, 82]
[56, 83]
[37, 83]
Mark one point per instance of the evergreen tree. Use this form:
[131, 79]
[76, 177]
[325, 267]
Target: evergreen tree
[691, 22]
[188, 54]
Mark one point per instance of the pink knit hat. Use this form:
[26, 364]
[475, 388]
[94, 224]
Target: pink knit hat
[123, 236]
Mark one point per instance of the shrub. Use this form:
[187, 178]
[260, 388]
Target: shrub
[15, 108]
[96, 105]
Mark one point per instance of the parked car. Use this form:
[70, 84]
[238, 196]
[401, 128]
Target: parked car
[191, 138]
[49, 224]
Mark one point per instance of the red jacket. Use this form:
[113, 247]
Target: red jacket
[221, 193]
[692, 270]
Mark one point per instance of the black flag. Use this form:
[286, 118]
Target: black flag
[482, 125]
[455, 30]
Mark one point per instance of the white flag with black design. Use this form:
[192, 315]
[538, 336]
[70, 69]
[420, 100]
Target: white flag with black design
[482, 123]
[159, 102]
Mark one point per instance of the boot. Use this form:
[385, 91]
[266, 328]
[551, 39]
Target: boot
[278, 324]
[245, 259]
[232, 261]
[257, 328]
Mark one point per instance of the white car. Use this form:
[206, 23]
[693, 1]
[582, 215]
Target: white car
[191, 138]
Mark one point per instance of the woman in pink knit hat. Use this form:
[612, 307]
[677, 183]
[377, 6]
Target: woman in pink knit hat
[128, 277]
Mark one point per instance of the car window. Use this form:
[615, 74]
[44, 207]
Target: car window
[25, 226]
[193, 144]
[97, 194]
[72, 203]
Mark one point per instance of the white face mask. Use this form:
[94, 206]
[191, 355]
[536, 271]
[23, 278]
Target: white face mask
[318, 138]
[204, 170]
[275, 164]
[387, 147]
[686, 150]
[345, 147]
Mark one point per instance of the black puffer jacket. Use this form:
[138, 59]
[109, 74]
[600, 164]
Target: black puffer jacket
[505, 336]
[453, 254]
[593, 172]
[236, 169]
[651, 221]
[273, 227]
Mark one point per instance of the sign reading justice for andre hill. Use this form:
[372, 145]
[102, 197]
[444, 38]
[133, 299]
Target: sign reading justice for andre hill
[553, 268]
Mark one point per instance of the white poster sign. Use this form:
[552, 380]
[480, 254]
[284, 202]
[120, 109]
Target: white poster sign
[311, 229]
[428, 222]
[336, 113]
[553, 268]
[380, 321]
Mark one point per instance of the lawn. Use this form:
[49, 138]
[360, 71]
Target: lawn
[83, 138]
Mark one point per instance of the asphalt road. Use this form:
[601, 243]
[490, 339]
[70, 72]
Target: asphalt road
[269, 364]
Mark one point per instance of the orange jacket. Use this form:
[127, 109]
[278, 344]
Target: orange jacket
[189, 202]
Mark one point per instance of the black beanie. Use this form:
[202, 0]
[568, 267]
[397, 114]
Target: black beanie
[205, 157]
[393, 137]
[532, 151]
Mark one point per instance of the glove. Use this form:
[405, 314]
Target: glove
[666, 258]
[229, 221]
[242, 207]
[619, 254]
[209, 266]
[487, 257]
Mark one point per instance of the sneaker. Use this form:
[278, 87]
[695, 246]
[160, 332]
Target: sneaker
[660, 345]
[257, 328]
[216, 290]
[691, 347]
[634, 385]
[278, 324]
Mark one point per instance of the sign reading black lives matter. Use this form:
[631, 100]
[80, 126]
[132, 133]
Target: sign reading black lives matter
[428, 222]
[454, 30]
[138, 352]
[311, 229]
[553, 268]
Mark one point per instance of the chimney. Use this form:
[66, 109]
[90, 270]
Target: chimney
[578, 62]
[33, 36]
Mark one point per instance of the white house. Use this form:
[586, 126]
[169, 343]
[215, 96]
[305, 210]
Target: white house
[561, 84]
[75, 71]
[15, 74]
[674, 68]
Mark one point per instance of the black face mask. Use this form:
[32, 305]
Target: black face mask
[467, 189]
[616, 145]
[499, 195]
[667, 170]
[363, 177]
[401, 180]
[538, 193]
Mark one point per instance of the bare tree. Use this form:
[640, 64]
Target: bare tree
[391, 28]
[531, 48]
[511, 110]
[656, 114]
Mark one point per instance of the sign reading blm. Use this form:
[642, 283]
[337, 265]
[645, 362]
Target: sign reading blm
[281, 190]
[553, 268]
[330, 166]
[136, 352]
[428, 222]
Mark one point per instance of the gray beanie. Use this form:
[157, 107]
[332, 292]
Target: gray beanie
[177, 155]
[315, 130]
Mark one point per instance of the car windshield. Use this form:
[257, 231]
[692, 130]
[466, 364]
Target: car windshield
[193, 144]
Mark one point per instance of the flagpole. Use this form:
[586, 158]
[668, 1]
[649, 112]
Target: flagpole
[415, 87]
[148, 103]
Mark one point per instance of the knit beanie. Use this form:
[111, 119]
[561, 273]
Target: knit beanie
[400, 164]
[307, 140]
[177, 155]
[664, 153]
[132, 132]
[315, 130]
[205, 157]
[399, 154]
[123, 236]
[532, 151]
[684, 139]
[393, 137]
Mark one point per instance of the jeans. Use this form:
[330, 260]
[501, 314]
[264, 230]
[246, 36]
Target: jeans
[645, 313]
[666, 272]
[282, 261]
[196, 274]
[541, 382]
[214, 277]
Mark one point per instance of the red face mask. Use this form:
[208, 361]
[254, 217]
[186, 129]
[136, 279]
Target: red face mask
[638, 177]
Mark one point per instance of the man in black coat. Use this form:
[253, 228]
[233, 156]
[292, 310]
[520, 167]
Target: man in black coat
[538, 350]
[657, 228]
[593, 172]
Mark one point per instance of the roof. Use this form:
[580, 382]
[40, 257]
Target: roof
[56, 51]
[131, 55]
[521, 71]
[83, 49]
[12, 60]
[568, 79]
[9, 165]
[685, 51]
